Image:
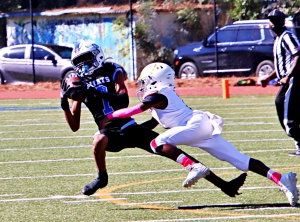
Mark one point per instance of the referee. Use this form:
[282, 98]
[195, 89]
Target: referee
[286, 52]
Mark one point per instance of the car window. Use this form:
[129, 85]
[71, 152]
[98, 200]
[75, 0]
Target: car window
[15, 53]
[269, 35]
[62, 51]
[40, 53]
[248, 34]
[224, 35]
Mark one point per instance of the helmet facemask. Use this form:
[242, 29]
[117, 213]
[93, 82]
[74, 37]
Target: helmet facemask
[141, 91]
[145, 86]
[86, 58]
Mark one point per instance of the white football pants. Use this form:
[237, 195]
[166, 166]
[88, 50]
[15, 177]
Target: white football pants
[199, 131]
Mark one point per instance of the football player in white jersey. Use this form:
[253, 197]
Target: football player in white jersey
[193, 127]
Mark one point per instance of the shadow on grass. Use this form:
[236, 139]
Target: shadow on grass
[238, 206]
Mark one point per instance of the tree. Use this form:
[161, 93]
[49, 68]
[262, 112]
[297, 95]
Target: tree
[258, 9]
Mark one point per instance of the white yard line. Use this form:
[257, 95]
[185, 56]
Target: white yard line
[93, 129]
[122, 157]
[123, 173]
[223, 218]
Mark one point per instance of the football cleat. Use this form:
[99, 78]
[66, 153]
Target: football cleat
[288, 185]
[98, 183]
[297, 153]
[233, 186]
[196, 172]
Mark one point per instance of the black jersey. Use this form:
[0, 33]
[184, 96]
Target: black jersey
[103, 79]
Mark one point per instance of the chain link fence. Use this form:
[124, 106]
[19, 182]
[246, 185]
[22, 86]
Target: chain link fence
[157, 35]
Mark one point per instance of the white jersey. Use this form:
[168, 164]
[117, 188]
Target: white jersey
[177, 113]
[194, 128]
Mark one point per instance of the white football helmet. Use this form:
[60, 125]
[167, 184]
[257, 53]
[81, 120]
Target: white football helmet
[86, 58]
[154, 77]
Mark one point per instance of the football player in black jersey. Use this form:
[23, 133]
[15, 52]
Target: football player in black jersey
[100, 86]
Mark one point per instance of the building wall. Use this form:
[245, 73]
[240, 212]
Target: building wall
[68, 30]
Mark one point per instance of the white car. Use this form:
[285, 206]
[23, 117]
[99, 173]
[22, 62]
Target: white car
[50, 63]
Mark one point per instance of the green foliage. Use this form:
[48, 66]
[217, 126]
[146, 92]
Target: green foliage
[148, 40]
[190, 23]
[120, 28]
[256, 9]
[291, 7]
[120, 22]
[246, 9]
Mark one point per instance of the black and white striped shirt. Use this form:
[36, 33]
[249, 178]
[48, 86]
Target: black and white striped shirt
[286, 46]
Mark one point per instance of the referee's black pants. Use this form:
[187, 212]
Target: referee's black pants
[287, 104]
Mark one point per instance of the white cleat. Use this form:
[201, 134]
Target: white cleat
[196, 172]
[288, 185]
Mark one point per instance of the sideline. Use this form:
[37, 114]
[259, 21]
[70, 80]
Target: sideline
[181, 91]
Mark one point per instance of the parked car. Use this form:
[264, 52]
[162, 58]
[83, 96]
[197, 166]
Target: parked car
[244, 48]
[50, 63]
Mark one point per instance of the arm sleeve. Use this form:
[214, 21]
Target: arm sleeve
[124, 113]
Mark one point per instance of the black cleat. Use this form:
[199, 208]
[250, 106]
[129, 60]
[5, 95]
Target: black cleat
[233, 186]
[297, 153]
[98, 183]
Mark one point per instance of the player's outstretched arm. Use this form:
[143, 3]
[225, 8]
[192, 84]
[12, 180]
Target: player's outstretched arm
[150, 124]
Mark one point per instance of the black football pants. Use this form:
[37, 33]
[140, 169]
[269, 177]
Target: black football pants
[288, 108]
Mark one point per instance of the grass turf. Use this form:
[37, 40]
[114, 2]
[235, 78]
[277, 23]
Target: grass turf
[44, 167]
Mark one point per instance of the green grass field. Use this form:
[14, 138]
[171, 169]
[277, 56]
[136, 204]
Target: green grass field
[44, 166]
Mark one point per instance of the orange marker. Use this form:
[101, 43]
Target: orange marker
[225, 88]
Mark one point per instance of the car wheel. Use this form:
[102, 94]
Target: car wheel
[188, 70]
[264, 68]
[67, 73]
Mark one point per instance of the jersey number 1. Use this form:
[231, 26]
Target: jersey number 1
[106, 106]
